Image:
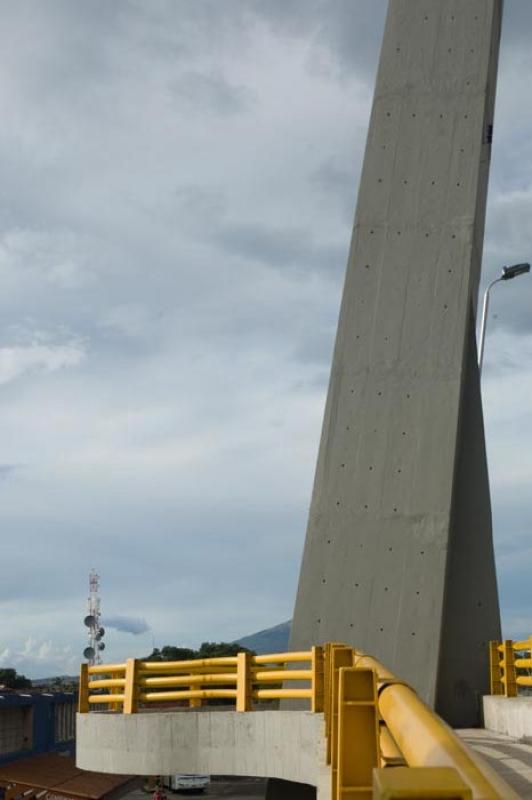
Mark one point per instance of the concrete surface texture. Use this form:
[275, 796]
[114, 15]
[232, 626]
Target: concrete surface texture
[279, 744]
[510, 758]
[398, 558]
[511, 716]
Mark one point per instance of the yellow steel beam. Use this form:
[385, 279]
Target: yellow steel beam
[243, 682]
[192, 664]
[426, 741]
[199, 694]
[95, 699]
[108, 683]
[188, 680]
[341, 656]
[358, 733]
[391, 756]
[273, 676]
[526, 645]
[83, 699]
[103, 669]
[282, 694]
[282, 658]
[496, 686]
[131, 688]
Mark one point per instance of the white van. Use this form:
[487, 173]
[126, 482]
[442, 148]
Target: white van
[191, 783]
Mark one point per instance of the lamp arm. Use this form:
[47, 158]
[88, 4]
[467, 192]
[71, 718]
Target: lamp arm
[482, 334]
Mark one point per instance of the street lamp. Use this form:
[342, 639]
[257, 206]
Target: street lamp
[507, 274]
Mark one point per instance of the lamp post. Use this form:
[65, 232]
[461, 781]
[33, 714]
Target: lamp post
[507, 274]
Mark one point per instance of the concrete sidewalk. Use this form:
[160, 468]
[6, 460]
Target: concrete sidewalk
[510, 758]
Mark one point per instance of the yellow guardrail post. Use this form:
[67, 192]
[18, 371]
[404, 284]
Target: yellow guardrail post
[496, 686]
[341, 656]
[422, 782]
[195, 702]
[317, 666]
[83, 699]
[358, 733]
[509, 678]
[327, 695]
[131, 687]
[243, 682]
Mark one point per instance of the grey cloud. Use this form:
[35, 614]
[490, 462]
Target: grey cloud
[199, 257]
[212, 93]
[280, 247]
[6, 470]
[351, 32]
[336, 181]
[134, 625]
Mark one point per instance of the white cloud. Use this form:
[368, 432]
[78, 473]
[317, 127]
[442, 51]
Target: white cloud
[34, 358]
[184, 204]
[35, 656]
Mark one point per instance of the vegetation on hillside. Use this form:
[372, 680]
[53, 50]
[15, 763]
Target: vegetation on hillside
[207, 650]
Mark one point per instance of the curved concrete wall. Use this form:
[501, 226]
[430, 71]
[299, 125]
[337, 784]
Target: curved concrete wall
[276, 744]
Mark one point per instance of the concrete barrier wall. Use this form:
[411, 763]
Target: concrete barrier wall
[276, 744]
[509, 715]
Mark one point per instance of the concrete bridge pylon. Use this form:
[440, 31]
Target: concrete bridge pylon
[398, 559]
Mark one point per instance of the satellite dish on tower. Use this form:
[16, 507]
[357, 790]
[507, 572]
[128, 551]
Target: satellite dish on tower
[92, 621]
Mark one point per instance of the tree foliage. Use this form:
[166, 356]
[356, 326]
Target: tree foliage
[207, 650]
[12, 680]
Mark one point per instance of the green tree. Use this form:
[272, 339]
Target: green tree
[207, 650]
[12, 680]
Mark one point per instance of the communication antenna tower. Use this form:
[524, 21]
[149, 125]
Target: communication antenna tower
[93, 623]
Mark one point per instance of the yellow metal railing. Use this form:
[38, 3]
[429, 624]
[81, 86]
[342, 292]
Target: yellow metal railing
[510, 666]
[382, 741]
[240, 679]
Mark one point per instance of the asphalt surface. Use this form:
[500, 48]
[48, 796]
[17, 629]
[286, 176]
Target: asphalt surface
[230, 790]
[243, 790]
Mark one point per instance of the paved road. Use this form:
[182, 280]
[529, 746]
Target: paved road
[237, 791]
[230, 790]
[241, 790]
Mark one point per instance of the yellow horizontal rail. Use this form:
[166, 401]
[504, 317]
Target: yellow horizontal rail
[192, 665]
[193, 694]
[108, 683]
[103, 669]
[274, 675]
[106, 698]
[280, 694]
[523, 663]
[524, 680]
[282, 658]
[526, 645]
[188, 680]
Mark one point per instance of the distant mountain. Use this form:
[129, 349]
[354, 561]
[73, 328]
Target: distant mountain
[59, 679]
[270, 640]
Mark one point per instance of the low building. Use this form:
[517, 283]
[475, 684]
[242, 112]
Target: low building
[33, 723]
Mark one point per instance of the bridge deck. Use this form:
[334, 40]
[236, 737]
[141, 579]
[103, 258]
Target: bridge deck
[510, 758]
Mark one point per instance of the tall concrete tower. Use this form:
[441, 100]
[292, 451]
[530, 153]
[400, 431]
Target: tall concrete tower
[398, 557]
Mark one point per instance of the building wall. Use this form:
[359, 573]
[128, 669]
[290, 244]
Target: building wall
[36, 723]
[16, 729]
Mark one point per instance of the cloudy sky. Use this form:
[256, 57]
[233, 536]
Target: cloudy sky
[177, 187]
